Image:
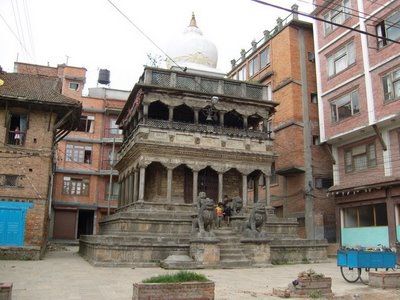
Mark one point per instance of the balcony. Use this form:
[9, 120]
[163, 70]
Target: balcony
[208, 85]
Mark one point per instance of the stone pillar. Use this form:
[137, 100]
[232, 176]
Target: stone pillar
[135, 185]
[142, 175]
[245, 122]
[220, 186]
[196, 116]
[145, 112]
[122, 187]
[267, 191]
[391, 216]
[126, 195]
[195, 185]
[170, 113]
[169, 184]
[255, 189]
[130, 194]
[119, 193]
[221, 118]
[244, 189]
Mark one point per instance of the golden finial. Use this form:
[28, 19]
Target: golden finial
[193, 21]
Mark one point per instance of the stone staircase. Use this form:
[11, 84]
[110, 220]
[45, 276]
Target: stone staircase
[231, 251]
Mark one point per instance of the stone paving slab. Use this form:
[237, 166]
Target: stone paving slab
[65, 275]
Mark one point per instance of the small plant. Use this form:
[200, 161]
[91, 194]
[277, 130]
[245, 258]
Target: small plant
[315, 294]
[182, 276]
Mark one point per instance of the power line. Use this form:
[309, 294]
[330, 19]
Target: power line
[325, 21]
[365, 15]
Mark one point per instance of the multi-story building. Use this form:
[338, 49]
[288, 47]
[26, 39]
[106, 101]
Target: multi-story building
[84, 158]
[358, 93]
[283, 61]
[34, 116]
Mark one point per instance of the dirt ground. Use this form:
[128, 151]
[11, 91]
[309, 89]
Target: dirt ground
[63, 274]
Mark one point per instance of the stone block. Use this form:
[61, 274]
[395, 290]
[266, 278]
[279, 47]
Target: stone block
[169, 291]
[384, 279]
[6, 290]
[206, 253]
[258, 251]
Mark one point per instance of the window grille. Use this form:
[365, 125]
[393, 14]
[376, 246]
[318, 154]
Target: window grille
[254, 92]
[186, 82]
[159, 78]
[210, 86]
[232, 89]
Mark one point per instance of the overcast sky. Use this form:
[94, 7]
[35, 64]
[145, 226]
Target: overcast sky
[94, 35]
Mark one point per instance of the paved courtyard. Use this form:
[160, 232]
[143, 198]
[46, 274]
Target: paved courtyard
[63, 274]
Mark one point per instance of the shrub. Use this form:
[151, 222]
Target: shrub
[182, 276]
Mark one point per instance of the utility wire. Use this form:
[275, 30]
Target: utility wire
[358, 15]
[325, 21]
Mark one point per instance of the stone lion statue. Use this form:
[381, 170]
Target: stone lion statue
[205, 215]
[254, 224]
[237, 205]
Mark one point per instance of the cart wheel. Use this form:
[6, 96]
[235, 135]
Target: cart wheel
[350, 274]
[364, 275]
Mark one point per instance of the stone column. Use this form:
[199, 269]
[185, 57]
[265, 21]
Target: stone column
[142, 175]
[245, 122]
[244, 189]
[267, 190]
[122, 187]
[130, 194]
[135, 185]
[255, 189]
[196, 116]
[169, 184]
[119, 193]
[195, 185]
[145, 112]
[221, 118]
[126, 198]
[220, 186]
[170, 113]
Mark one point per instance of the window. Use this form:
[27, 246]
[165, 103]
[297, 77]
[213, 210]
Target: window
[337, 15]
[269, 91]
[360, 158]
[114, 190]
[76, 186]
[264, 57]
[254, 66]
[74, 86]
[316, 140]
[242, 73]
[345, 107]
[366, 216]
[80, 154]
[391, 86]
[17, 127]
[389, 28]
[274, 178]
[323, 183]
[86, 124]
[7, 180]
[314, 98]
[342, 59]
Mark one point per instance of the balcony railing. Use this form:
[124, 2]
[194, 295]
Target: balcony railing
[216, 129]
[112, 133]
[16, 138]
[215, 86]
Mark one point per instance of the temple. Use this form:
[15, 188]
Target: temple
[188, 130]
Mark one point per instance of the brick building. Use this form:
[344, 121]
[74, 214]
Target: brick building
[283, 60]
[84, 158]
[34, 116]
[358, 89]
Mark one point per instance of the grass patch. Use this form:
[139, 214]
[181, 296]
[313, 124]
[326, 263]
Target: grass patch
[182, 276]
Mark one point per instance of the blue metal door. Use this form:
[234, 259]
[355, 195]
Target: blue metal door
[12, 222]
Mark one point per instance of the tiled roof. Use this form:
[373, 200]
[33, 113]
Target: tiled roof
[34, 88]
[366, 183]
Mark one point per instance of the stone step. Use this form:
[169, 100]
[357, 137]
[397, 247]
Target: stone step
[233, 257]
[233, 264]
[231, 251]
